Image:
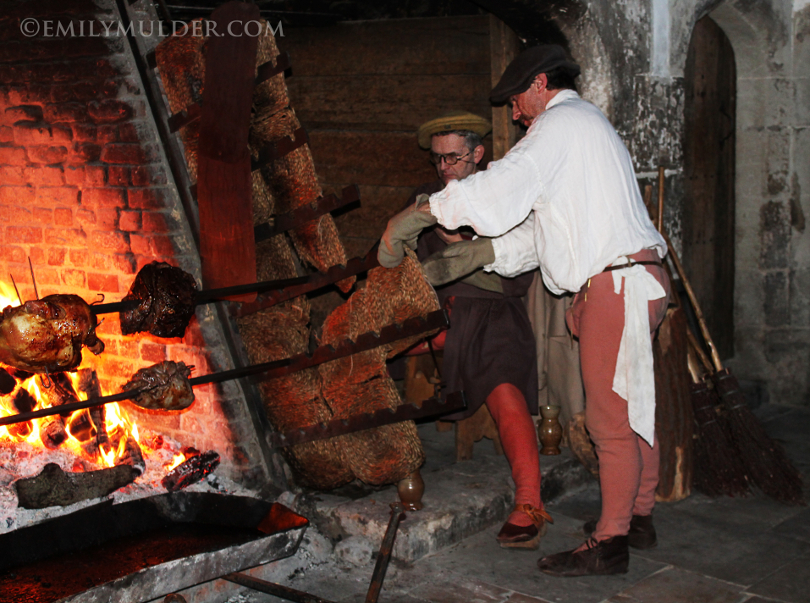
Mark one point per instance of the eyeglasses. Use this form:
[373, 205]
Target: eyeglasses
[449, 158]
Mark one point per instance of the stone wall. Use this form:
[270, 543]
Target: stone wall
[771, 41]
[633, 54]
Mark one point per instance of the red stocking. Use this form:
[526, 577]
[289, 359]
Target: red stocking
[515, 426]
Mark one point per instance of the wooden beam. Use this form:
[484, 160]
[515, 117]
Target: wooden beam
[503, 44]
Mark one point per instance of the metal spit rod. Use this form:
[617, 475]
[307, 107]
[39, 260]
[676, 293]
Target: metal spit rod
[377, 577]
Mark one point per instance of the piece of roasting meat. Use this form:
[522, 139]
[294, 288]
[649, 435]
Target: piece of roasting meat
[166, 296]
[47, 335]
[166, 386]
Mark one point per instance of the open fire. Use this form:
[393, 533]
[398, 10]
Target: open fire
[80, 441]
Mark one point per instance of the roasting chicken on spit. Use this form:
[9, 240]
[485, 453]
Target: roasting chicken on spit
[166, 297]
[47, 335]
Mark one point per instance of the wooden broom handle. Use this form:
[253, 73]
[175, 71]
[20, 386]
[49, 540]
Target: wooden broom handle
[718, 365]
[704, 359]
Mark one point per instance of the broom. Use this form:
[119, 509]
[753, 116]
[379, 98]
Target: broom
[764, 460]
[717, 469]
[713, 465]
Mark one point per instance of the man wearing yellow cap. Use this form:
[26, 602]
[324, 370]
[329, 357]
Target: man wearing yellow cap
[489, 351]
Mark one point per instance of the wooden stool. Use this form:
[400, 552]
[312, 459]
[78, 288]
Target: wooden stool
[420, 378]
[472, 429]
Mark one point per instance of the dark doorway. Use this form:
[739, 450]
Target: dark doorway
[708, 225]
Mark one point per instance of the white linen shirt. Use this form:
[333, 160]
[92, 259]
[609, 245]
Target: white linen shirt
[574, 174]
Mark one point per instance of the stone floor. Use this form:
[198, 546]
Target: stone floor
[710, 550]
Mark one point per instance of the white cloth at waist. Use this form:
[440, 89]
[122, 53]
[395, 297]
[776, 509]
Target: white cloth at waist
[634, 379]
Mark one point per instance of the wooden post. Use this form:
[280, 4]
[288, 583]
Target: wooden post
[224, 184]
[503, 45]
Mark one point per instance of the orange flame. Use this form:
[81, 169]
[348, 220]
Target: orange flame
[118, 425]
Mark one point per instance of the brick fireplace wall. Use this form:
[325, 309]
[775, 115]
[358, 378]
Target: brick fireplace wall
[86, 193]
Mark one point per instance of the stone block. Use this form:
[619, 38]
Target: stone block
[78, 257]
[96, 175]
[124, 263]
[16, 195]
[104, 197]
[47, 154]
[43, 215]
[152, 352]
[801, 42]
[130, 221]
[63, 216]
[155, 222]
[802, 105]
[22, 112]
[56, 256]
[45, 175]
[107, 218]
[123, 153]
[34, 133]
[86, 152]
[13, 156]
[65, 112]
[105, 283]
[118, 175]
[73, 278]
[778, 160]
[109, 111]
[107, 133]
[354, 550]
[776, 309]
[12, 175]
[82, 131]
[58, 196]
[800, 297]
[23, 234]
[774, 231]
[113, 241]
[12, 253]
[147, 198]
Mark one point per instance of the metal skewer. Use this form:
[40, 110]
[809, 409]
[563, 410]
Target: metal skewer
[267, 370]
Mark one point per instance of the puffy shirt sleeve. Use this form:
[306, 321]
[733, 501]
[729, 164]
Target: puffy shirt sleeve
[515, 251]
[496, 200]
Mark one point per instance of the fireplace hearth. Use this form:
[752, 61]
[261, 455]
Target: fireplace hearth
[144, 549]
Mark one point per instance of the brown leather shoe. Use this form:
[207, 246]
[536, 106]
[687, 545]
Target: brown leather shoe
[641, 535]
[601, 558]
[513, 536]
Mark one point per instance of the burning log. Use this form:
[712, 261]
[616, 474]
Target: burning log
[22, 402]
[19, 374]
[80, 426]
[133, 455]
[88, 383]
[55, 487]
[58, 392]
[7, 382]
[190, 471]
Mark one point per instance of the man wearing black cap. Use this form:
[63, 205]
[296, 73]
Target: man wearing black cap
[489, 350]
[589, 233]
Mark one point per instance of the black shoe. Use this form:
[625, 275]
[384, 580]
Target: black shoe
[598, 559]
[642, 532]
